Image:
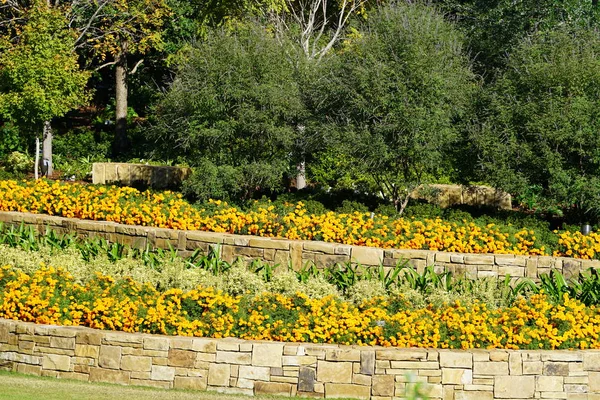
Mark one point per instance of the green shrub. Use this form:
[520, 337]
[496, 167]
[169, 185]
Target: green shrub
[350, 206]
[19, 163]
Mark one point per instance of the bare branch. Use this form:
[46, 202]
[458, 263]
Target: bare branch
[108, 64]
[136, 66]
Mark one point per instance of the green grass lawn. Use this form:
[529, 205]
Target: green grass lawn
[24, 387]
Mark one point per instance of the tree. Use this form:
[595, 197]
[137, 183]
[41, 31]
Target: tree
[395, 95]
[40, 77]
[540, 127]
[232, 111]
[494, 27]
[114, 30]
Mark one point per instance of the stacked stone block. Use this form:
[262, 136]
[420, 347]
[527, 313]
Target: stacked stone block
[296, 369]
[297, 252]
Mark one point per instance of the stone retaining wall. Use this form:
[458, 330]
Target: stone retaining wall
[290, 369]
[139, 175]
[298, 253]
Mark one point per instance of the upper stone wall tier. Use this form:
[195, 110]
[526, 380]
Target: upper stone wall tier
[296, 369]
[472, 195]
[139, 175]
[297, 253]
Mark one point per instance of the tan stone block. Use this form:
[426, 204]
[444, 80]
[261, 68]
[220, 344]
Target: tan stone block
[490, 368]
[591, 361]
[285, 379]
[182, 343]
[549, 383]
[162, 373]
[206, 357]
[401, 355]
[498, 356]
[473, 395]
[532, 367]
[578, 380]
[335, 372]
[515, 364]
[62, 343]
[56, 362]
[122, 339]
[453, 376]
[85, 350]
[479, 259]
[54, 350]
[219, 374]
[456, 359]
[109, 375]
[366, 255]
[343, 355]
[147, 382]
[136, 363]
[155, 343]
[383, 385]
[29, 369]
[73, 376]
[110, 357]
[359, 379]
[204, 345]
[140, 375]
[246, 347]
[514, 387]
[245, 383]
[557, 368]
[273, 388]
[594, 382]
[254, 373]
[414, 365]
[89, 338]
[367, 362]
[232, 357]
[181, 358]
[562, 356]
[298, 360]
[190, 383]
[267, 354]
[319, 247]
[341, 390]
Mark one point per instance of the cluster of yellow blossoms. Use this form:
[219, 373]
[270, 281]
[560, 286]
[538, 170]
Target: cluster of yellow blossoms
[50, 296]
[170, 210]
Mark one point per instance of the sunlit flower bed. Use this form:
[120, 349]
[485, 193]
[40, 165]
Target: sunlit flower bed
[169, 210]
[50, 296]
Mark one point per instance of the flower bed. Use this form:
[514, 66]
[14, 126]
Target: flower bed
[50, 296]
[169, 210]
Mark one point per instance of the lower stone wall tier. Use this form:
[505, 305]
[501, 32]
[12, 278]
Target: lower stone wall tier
[295, 369]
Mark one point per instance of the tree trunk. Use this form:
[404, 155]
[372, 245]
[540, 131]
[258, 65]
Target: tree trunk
[47, 150]
[301, 175]
[120, 141]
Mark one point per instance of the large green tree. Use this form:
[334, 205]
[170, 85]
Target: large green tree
[395, 95]
[494, 27]
[541, 121]
[40, 78]
[232, 111]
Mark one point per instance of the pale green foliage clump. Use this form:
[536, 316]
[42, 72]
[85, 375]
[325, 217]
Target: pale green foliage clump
[285, 283]
[317, 287]
[488, 291]
[365, 290]
[240, 281]
[172, 273]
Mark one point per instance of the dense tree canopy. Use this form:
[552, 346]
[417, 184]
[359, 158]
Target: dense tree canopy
[542, 128]
[235, 104]
[396, 94]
